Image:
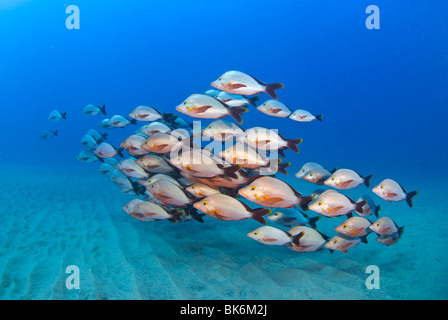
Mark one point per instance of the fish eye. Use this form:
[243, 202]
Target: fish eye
[255, 233]
[320, 203]
[252, 188]
[344, 226]
[220, 78]
[275, 213]
[303, 170]
[381, 187]
[377, 224]
[335, 241]
[332, 178]
[138, 207]
[204, 203]
[311, 174]
[185, 102]
[192, 187]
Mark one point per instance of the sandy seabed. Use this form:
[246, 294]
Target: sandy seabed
[55, 217]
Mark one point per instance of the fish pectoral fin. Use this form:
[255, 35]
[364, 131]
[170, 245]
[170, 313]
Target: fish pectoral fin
[160, 147]
[159, 195]
[262, 143]
[275, 110]
[334, 209]
[190, 169]
[346, 245]
[269, 239]
[201, 109]
[236, 85]
[357, 231]
[391, 194]
[272, 200]
[345, 183]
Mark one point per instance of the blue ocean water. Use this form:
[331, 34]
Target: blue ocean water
[383, 94]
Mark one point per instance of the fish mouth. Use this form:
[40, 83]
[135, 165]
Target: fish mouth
[215, 84]
[241, 193]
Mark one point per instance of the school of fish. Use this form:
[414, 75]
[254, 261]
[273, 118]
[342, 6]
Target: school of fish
[238, 175]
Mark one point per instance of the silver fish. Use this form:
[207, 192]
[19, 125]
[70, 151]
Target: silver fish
[47, 134]
[93, 110]
[237, 82]
[390, 190]
[57, 115]
[305, 116]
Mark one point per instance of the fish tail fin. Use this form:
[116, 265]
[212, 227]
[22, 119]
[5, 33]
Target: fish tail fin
[281, 152]
[400, 231]
[258, 214]
[193, 213]
[270, 89]
[252, 101]
[292, 144]
[99, 159]
[177, 214]
[312, 221]
[103, 109]
[137, 188]
[230, 170]
[359, 205]
[103, 136]
[230, 192]
[409, 197]
[235, 113]
[282, 167]
[132, 121]
[319, 117]
[119, 152]
[296, 238]
[376, 210]
[169, 118]
[367, 180]
[363, 239]
[334, 170]
[55, 133]
[64, 115]
[303, 202]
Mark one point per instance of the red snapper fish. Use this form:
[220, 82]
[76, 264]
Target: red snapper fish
[236, 82]
[205, 107]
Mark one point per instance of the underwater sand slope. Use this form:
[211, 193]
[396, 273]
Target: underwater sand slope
[55, 217]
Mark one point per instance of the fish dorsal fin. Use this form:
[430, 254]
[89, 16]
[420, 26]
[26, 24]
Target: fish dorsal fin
[249, 209]
[404, 190]
[222, 103]
[326, 238]
[258, 81]
[283, 138]
[198, 199]
[297, 193]
[301, 212]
